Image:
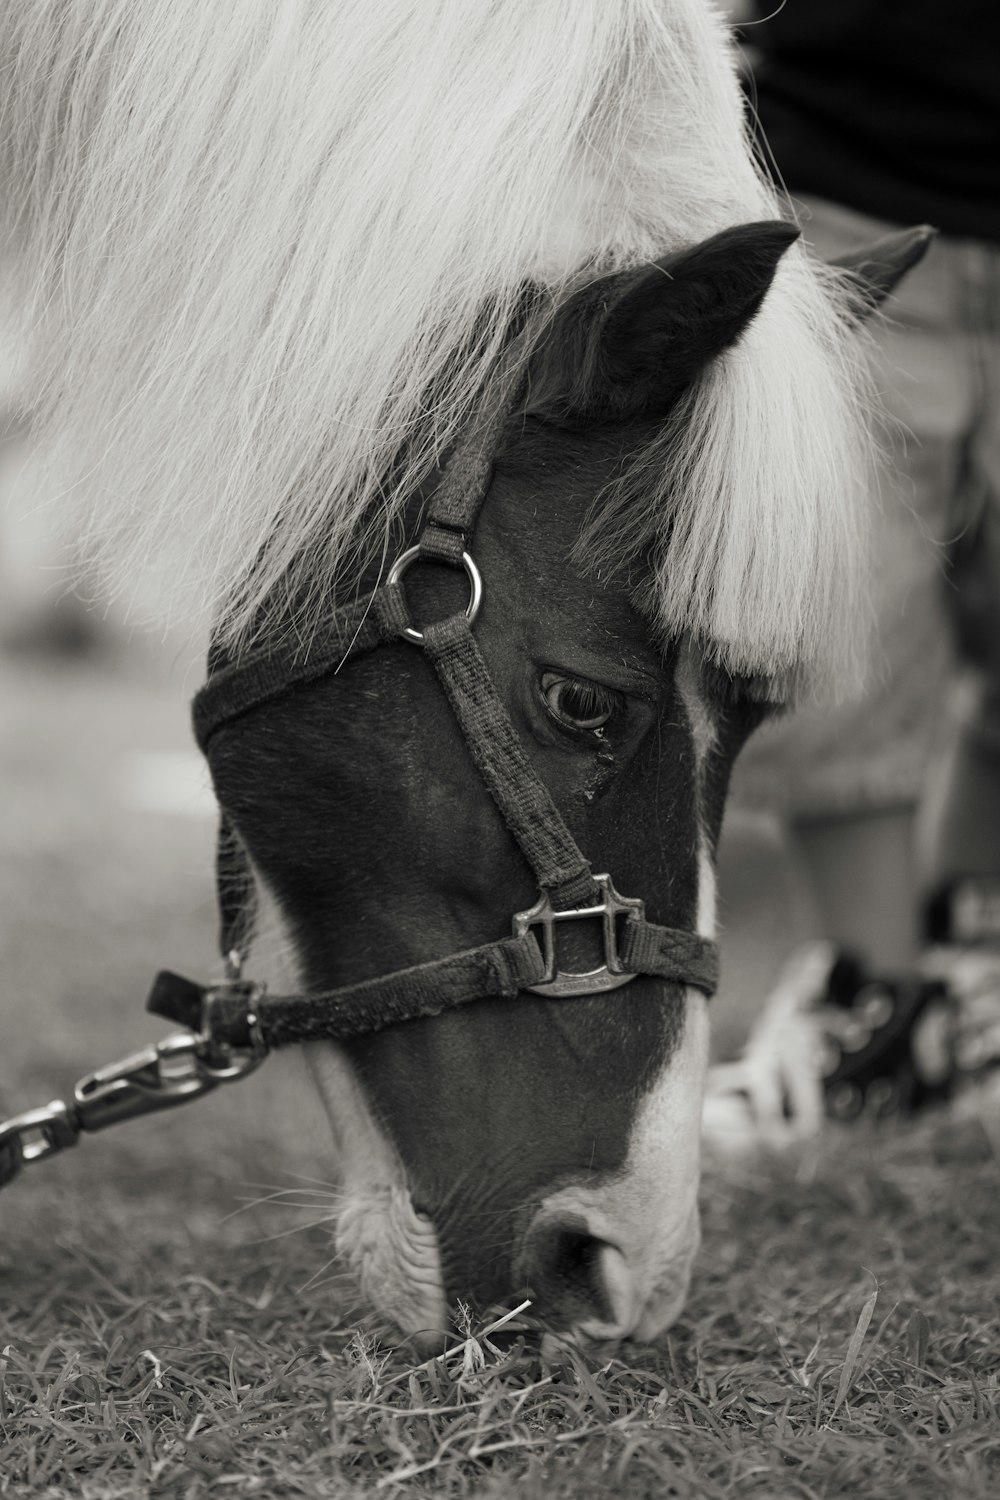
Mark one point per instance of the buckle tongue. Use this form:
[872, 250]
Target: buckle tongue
[565, 982]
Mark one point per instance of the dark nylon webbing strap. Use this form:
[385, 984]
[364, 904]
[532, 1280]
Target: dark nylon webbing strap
[500, 969]
[270, 674]
[670, 953]
[496, 969]
[527, 808]
[458, 498]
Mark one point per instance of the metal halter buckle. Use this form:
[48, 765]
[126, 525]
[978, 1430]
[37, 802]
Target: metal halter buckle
[611, 974]
[475, 578]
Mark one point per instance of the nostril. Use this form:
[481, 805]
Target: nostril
[575, 1267]
[578, 1279]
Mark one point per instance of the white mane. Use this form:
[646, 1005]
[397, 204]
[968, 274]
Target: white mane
[250, 240]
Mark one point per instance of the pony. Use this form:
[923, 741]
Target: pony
[285, 271]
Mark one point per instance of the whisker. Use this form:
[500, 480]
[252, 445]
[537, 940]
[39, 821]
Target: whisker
[284, 1234]
[280, 1198]
[294, 1206]
[273, 1187]
[319, 1181]
[314, 1279]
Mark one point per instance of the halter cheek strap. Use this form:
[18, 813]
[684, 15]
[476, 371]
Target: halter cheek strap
[239, 1014]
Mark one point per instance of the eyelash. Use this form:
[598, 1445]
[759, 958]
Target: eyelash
[595, 707]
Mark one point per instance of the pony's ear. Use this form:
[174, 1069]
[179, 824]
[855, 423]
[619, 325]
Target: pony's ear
[626, 347]
[877, 269]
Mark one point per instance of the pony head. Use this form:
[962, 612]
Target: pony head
[535, 1145]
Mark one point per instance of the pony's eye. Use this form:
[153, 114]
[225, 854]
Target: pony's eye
[577, 703]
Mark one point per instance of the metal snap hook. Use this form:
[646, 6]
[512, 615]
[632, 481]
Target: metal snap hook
[473, 574]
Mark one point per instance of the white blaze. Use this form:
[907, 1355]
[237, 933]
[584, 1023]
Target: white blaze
[392, 1250]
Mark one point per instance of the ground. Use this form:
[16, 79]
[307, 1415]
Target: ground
[163, 1333]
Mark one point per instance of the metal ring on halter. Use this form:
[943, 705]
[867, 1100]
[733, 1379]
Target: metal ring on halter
[473, 574]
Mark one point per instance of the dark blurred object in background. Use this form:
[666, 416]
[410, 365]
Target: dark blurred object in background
[889, 106]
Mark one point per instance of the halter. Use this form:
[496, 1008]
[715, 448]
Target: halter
[231, 1026]
[238, 1013]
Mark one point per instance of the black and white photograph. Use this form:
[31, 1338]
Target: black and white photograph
[500, 749]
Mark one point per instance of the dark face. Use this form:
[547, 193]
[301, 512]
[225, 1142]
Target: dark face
[519, 1123]
[529, 1144]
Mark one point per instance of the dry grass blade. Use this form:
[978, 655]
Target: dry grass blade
[918, 1335]
[854, 1349]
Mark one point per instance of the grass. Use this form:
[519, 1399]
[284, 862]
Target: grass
[842, 1336]
[841, 1339]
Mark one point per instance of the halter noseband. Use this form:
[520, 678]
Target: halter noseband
[241, 1015]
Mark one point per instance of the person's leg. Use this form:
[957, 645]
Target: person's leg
[861, 869]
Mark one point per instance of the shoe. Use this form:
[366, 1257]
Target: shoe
[889, 1042]
[836, 1042]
